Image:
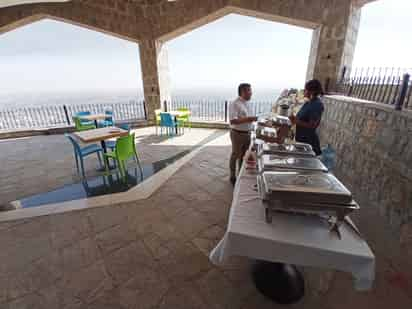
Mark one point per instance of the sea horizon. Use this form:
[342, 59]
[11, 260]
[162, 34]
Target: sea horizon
[15, 100]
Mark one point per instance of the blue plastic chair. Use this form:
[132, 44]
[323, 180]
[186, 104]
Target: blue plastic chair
[108, 122]
[124, 126]
[81, 152]
[84, 122]
[112, 144]
[168, 121]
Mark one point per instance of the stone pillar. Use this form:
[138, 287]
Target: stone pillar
[155, 75]
[333, 44]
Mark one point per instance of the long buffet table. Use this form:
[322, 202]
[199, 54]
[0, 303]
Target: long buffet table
[291, 239]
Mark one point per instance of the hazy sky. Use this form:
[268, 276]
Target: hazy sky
[50, 55]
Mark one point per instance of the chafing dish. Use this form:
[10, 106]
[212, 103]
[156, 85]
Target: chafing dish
[262, 132]
[269, 162]
[279, 120]
[274, 121]
[287, 149]
[305, 193]
[309, 187]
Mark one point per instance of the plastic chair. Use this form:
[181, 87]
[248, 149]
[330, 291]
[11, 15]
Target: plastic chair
[124, 126]
[158, 119]
[108, 121]
[184, 119]
[124, 150]
[111, 144]
[83, 126]
[85, 122]
[81, 152]
[168, 121]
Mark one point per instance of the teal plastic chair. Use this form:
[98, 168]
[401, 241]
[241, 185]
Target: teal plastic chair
[124, 150]
[168, 121]
[81, 152]
[84, 122]
[108, 121]
[112, 144]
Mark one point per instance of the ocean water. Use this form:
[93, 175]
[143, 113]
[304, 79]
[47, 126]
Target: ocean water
[11, 101]
[54, 109]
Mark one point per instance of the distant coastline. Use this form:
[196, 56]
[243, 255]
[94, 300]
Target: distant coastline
[33, 99]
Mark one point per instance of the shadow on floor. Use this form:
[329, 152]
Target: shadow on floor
[109, 184]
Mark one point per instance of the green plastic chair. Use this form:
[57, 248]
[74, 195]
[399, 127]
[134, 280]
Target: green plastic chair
[124, 150]
[184, 120]
[157, 113]
[82, 126]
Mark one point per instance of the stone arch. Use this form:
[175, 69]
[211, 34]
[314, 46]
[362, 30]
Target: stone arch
[220, 13]
[38, 17]
[95, 15]
[21, 22]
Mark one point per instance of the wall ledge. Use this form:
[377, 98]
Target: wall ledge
[384, 107]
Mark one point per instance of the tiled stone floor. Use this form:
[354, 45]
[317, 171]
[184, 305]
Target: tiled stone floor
[43, 163]
[154, 254]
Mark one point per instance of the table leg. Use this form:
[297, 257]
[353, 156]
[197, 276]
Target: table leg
[106, 159]
[176, 128]
[282, 283]
[95, 123]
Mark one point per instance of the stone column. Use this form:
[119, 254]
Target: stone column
[333, 44]
[155, 75]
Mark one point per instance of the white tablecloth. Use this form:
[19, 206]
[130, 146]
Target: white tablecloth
[291, 239]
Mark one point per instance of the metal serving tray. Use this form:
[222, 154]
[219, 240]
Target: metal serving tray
[276, 163]
[287, 149]
[278, 121]
[303, 201]
[304, 187]
[266, 132]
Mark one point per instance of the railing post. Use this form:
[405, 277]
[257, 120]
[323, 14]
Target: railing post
[225, 111]
[165, 106]
[144, 109]
[66, 114]
[402, 94]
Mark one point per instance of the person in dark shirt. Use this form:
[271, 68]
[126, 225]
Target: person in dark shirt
[309, 116]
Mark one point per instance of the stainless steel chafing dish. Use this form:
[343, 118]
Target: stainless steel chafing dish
[278, 121]
[306, 193]
[275, 163]
[287, 149]
[262, 132]
[274, 121]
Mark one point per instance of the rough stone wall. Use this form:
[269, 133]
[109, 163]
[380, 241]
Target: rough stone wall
[351, 37]
[335, 41]
[374, 156]
[156, 84]
[310, 72]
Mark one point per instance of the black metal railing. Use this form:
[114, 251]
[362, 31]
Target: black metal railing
[52, 116]
[203, 110]
[61, 115]
[384, 85]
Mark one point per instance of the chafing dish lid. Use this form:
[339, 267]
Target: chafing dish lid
[281, 121]
[265, 131]
[274, 161]
[288, 148]
[296, 182]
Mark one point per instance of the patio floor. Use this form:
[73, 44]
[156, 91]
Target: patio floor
[154, 253]
[44, 163]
